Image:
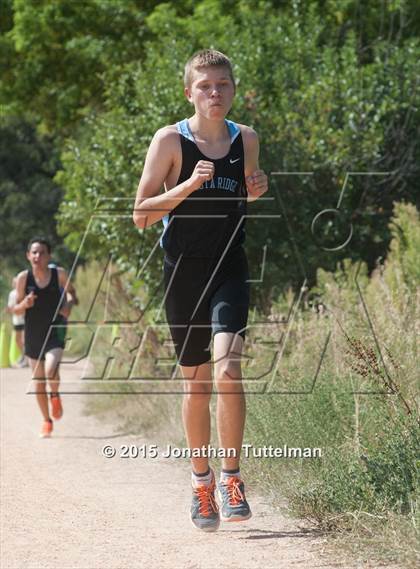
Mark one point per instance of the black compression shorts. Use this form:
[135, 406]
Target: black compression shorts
[202, 300]
[56, 337]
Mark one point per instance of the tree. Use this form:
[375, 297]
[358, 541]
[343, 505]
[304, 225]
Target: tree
[29, 198]
[59, 57]
[316, 108]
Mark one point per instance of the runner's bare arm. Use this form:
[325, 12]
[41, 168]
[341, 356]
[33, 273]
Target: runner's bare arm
[151, 205]
[64, 281]
[22, 302]
[256, 180]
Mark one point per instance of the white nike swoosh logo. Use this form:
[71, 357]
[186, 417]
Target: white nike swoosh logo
[233, 161]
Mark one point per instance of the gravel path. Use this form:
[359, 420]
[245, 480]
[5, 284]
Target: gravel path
[65, 506]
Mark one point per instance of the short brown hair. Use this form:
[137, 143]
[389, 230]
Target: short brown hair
[41, 241]
[206, 58]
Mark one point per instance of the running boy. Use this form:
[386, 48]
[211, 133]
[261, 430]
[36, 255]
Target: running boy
[208, 166]
[38, 297]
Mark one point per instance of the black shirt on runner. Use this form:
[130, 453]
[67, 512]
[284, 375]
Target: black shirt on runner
[211, 220]
[40, 316]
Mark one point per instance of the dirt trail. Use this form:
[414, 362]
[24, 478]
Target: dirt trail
[65, 506]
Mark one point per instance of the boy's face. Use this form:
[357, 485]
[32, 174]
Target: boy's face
[38, 256]
[211, 92]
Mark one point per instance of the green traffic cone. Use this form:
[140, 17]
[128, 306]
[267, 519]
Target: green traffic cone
[14, 352]
[4, 346]
[115, 331]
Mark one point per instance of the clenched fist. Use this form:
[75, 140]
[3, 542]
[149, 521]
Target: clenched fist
[29, 300]
[203, 172]
[257, 184]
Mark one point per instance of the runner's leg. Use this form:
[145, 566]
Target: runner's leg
[196, 416]
[39, 380]
[19, 339]
[230, 421]
[196, 410]
[52, 365]
[230, 410]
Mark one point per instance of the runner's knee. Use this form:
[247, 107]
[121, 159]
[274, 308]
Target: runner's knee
[197, 394]
[198, 384]
[39, 385]
[228, 370]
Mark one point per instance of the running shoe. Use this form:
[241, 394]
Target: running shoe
[21, 363]
[234, 508]
[56, 407]
[46, 429]
[204, 509]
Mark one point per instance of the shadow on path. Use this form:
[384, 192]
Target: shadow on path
[267, 534]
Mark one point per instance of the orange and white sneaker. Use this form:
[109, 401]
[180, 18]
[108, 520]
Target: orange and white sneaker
[234, 508]
[46, 429]
[56, 406]
[204, 509]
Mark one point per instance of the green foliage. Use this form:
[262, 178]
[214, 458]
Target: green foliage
[392, 464]
[60, 51]
[29, 198]
[385, 478]
[362, 411]
[322, 418]
[329, 87]
[343, 280]
[315, 107]
[59, 57]
[403, 261]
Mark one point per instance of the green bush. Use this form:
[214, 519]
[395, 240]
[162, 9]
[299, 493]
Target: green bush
[384, 478]
[403, 261]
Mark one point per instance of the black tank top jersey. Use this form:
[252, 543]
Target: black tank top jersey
[41, 315]
[211, 220]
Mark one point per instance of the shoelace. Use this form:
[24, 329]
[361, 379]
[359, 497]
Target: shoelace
[206, 499]
[234, 492]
